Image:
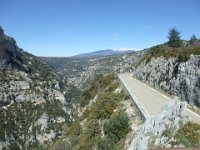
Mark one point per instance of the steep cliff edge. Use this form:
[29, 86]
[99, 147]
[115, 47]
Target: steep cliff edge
[174, 77]
[8, 49]
[160, 130]
[35, 103]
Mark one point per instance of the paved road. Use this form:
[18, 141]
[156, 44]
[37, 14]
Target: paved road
[150, 99]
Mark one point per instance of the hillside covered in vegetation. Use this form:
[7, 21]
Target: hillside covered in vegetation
[107, 118]
[35, 104]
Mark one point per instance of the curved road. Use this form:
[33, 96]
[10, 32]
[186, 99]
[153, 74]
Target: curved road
[151, 100]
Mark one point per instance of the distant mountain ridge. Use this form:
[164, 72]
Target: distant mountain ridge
[106, 52]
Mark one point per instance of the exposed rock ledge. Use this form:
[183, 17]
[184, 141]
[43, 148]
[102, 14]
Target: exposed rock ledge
[180, 79]
[172, 115]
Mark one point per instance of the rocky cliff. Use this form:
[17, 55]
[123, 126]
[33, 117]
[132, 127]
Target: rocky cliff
[174, 77]
[8, 49]
[160, 131]
[35, 104]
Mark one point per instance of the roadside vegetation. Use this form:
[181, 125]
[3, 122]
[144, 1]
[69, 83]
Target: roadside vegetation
[99, 84]
[175, 47]
[187, 135]
[104, 125]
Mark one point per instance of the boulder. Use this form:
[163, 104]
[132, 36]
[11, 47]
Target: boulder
[23, 85]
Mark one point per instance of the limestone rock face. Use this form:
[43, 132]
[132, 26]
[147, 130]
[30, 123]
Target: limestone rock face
[23, 85]
[171, 116]
[8, 49]
[179, 79]
[33, 103]
[1, 32]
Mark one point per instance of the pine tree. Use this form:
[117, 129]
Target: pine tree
[174, 38]
[193, 40]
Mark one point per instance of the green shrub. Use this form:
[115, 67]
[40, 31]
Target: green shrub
[14, 146]
[85, 98]
[92, 128]
[3, 77]
[117, 127]
[182, 53]
[105, 81]
[105, 106]
[167, 132]
[89, 135]
[74, 129]
[74, 139]
[113, 86]
[99, 82]
[103, 143]
[54, 108]
[189, 135]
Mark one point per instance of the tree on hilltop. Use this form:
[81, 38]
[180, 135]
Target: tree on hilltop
[174, 38]
[194, 40]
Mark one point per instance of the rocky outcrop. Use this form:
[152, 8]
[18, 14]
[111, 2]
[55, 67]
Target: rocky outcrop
[8, 48]
[181, 79]
[1, 33]
[34, 104]
[172, 115]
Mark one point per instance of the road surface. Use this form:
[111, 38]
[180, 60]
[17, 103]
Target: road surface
[150, 99]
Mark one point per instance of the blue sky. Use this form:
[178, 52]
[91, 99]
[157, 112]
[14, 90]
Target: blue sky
[69, 27]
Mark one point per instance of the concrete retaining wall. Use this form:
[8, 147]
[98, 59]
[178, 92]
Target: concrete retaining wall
[142, 111]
